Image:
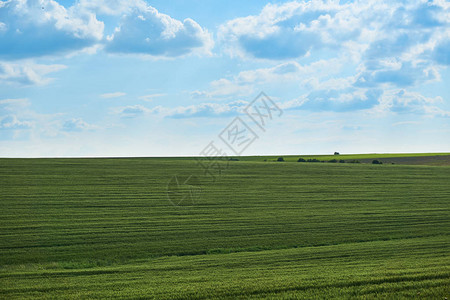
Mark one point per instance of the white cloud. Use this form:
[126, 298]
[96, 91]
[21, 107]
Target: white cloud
[131, 111]
[337, 100]
[406, 123]
[77, 124]
[179, 112]
[366, 48]
[146, 31]
[284, 71]
[17, 115]
[27, 73]
[246, 82]
[294, 29]
[402, 101]
[11, 122]
[290, 71]
[112, 95]
[436, 111]
[14, 104]
[150, 97]
[399, 73]
[223, 88]
[203, 110]
[11, 116]
[289, 30]
[377, 102]
[37, 28]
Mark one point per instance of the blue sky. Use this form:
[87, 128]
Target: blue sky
[157, 78]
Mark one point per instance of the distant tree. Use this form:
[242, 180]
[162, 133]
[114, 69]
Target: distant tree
[301, 160]
[333, 161]
[336, 153]
[313, 160]
[376, 162]
[342, 161]
[280, 159]
[354, 161]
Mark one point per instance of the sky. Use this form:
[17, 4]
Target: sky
[171, 78]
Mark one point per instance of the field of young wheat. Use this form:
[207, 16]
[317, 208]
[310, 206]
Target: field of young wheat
[103, 228]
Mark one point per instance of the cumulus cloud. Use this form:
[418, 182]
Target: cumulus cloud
[294, 29]
[284, 31]
[149, 32]
[391, 45]
[32, 28]
[262, 37]
[27, 73]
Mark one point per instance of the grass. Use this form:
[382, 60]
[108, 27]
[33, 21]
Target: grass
[102, 228]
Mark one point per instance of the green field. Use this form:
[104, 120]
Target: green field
[105, 228]
[409, 158]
